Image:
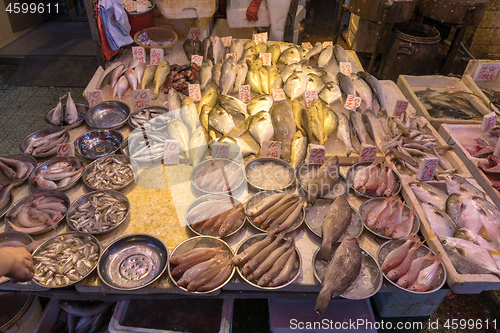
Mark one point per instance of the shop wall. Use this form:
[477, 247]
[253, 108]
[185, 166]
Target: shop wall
[486, 41]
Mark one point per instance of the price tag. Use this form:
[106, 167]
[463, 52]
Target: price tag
[131, 6]
[171, 152]
[194, 92]
[139, 53]
[307, 45]
[65, 149]
[427, 168]
[220, 150]
[231, 55]
[352, 102]
[271, 149]
[345, 68]
[454, 89]
[316, 154]
[489, 121]
[226, 41]
[141, 98]
[278, 95]
[400, 108]
[142, 2]
[367, 153]
[496, 151]
[266, 58]
[197, 59]
[156, 56]
[262, 37]
[325, 44]
[309, 96]
[194, 33]
[244, 93]
[94, 97]
[488, 72]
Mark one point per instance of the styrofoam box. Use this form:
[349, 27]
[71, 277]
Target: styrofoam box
[475, 83]
[409, 84]
[175, 9]
[236, 14]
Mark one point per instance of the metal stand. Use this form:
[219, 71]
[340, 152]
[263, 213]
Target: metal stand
[457, 39]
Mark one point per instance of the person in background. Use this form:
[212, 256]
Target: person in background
[278, 12]
[15, 263]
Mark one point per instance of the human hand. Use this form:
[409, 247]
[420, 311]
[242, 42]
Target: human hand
[252, 10]
[17, 264]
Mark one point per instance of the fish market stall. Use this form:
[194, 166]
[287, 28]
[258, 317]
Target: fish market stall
[481, 76]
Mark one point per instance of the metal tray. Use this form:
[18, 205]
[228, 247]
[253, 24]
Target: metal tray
[40, 134]
[98, 143]
[74, 161]
[108, 115]
[82, 110]
[23, 158]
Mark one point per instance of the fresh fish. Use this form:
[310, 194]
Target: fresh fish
[206, 74]
[374, 127]
[189, 114]
[299, 149]
[323, 181]
[295, 85]
[139, 72]
[260, 127]
[132, 81]
[108, 70]
[429, 194]
[464, 212]
[253, 79]
[358, 127]
[426, 277]
[252, 250]
[416, 266]
[317, 48]
[441, 223]
[344, 134]
[57, 114]
[252, 264]
[191, 47]
[376, 89]
[275, 51]
[313, 70]
[261, 47]
[209, 98]
[325, 56]
[264, 80]
[314, 82]
[147, 77]
[275, 81]
[216, 73]
[233, 105]
[241, 74]
[405, 264]
[284, 275]
[490, 216]
[228, 75]
[316, 123]
[331, 122]
[330, 92]
[220, 120]
[116, 74]
[468, 235]
[205, 110]
[269, 261]
[290, 56]
[205, 46]
[250, 54]
[241, 144]
[363, 90]
[345, 84]
[218, 49]
[277, 266]
[260, 103]
[249, 43]
[177, 130]
[340, 54]
[161, 75]
[334, 225]
[460, 185]
[394, 258]
[284, 127]
[237, 47]
[173, 100]
[120, 87]
[300, 116]
[289, 70]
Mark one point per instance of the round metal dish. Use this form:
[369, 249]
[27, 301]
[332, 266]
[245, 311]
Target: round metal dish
[108, 115]
[205, 170]
[351, 172]
[306, 171]
[75, 162]
[256, 238]
[6, 237]
[98, 143]
[146, 124]
[7, 206]
[9, 218]
[37, 135]
[229, 200]
[258, 197]
[67, 237]
[82, 110]
[23, 158]
[262, 180]
[91, 166]
[197, 242]
[315, 215]
[133, 262]
[137, 140]
[368, 282]
[85, 198]
[367, 206]
[388, 246]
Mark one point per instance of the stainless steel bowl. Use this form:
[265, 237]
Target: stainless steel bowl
[388, 246]
[74, 161]
[133, 262]
[256, 238]
[37, 135]
[108, 115]
[86, 197]
[229, 200]
[133, 144]
[13, 211]
[147, 111]
[260, 176]
[62, 238]
[258, 197]
[306, 171]
[197, 242]
[367, 283]
[351, 172]
[367, 206]
[82, 110]
[5, 209]
[23, 158]
[90, 168]
[209, 169]
[316, 213]
[6, 237]
[98, 143]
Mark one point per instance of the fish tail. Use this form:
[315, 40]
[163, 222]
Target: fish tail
[321, 302]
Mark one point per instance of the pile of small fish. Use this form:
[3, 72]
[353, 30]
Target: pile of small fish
[46, 144]
[64, 115]
[144, 148]
[443, 104]
[323, 181]
[38, 214]
[5, 193]
[218, 176]
[387, 219]
[412, 140]
[375, 180]
[407, 271]
[278, 212]
[208, 219]
[100, 212]
[57, 175]
[141, 118]
[83, 316]
[65, 260]
[15, 169]
[109, 173]
[269, 262]
[202, 269]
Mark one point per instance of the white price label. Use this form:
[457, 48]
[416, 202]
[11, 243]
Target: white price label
[316, 154]
[325, 44]
[427, 169]
[488, 72]
[278, 95]
[141, 98]
[262, 37]
[231, 55]
[345, 68]
[226, 41]
[244, 93]
[266, 58]
[368, 153]
[400, 108]
[156, 56]
[489, 121]
[171, 152]
[307, 45]
[309, 96]
[454, 89]
[220, 150]
[352, 102]
[197, 59]
[194, 33]
[131, 6]
[139, 54]
[194, 92]
[94, 97]
[65, 149]
[271, 149]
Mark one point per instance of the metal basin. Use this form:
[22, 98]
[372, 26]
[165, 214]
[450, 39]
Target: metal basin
[108, 115]
[74, 161]
[98, 143]
[37, 135]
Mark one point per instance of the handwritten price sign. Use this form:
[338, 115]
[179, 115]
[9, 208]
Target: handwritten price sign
[454, 89]
[194, 92]
[65, 149]
[278, 95]
[316, 154]
[141, 98]
[231, 55]
[489, 121]
[139, 54]
[367, 153]
[307, 45]
[220, 150]
[171, 152]
[131, 6]
[94, 97]
[197, 59]
[271, 149]
[325, 44]
[226, 41]
[244, 93]
[156, 56]
[488, 72]
[400, 108]
[266, 58]
[194, 33]
[309, 96]
[352, 102]
[262, 37]
[345, 68]
[427, 169]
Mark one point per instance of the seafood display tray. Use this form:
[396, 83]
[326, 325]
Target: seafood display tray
[408, 83]
[470, 78]
[458, 283]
